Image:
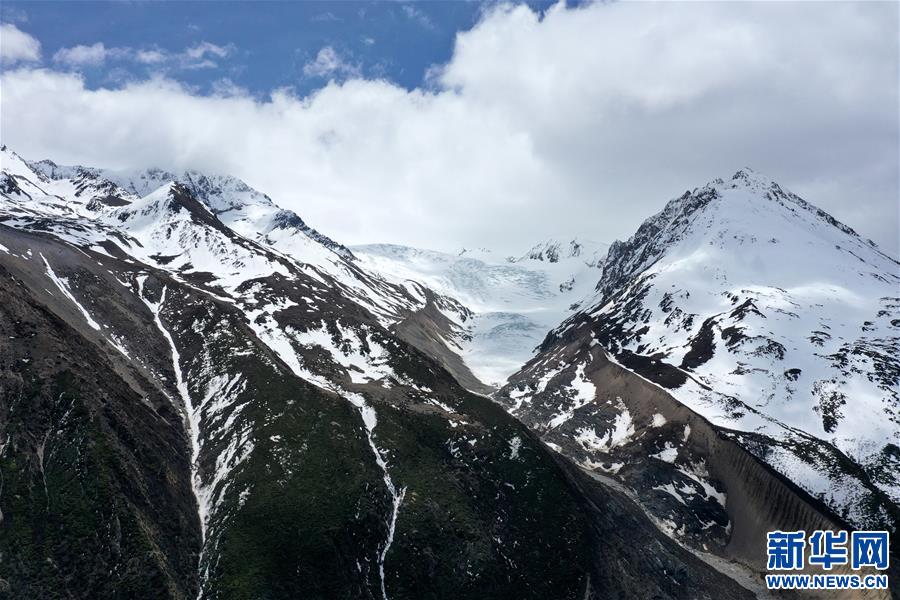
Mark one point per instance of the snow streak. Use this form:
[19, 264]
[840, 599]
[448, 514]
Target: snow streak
[62, 284]
[191, 416]
[370, 420]
[272, 336]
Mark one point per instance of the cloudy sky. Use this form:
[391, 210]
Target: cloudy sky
[451, 124]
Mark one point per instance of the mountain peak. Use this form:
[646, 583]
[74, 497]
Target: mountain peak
[552, 250]
[749, 175]
[747, 213]
[748, 179]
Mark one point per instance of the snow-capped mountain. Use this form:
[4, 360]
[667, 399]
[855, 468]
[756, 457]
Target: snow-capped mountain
[763, 315]
[511, 302]
[201, 396]
[554, 251]
[767, 299]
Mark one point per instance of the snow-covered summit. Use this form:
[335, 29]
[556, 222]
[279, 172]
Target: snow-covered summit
[768, 316]
[554, 251]
[241, 207]
[743, 205]
[189, 223]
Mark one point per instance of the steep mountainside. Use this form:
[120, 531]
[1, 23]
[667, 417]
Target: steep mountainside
[509, 303]
[200, 396]
[774, 324]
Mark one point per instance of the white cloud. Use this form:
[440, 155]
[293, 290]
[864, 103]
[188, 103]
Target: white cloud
[151, 57]
[16, 45]
[81, 56]
[328, 63]
[582, 122]
[198, 56]
[203, 49]
[225, 87]
[417, 15]
[201, 56]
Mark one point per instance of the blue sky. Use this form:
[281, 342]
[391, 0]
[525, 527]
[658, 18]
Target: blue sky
[267, 44]
[465, 124]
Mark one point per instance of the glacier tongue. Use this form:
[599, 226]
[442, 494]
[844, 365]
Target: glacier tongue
[514, 302]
